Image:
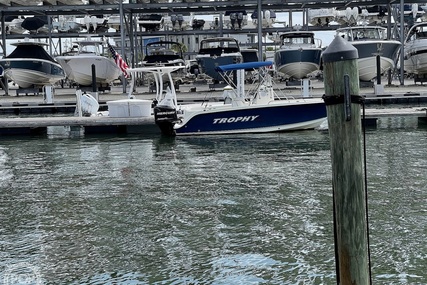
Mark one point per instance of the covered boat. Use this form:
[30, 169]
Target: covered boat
[29, 65]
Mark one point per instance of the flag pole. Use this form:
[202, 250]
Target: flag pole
[122, 35]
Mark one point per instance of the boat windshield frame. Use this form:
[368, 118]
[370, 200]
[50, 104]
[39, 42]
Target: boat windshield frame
[86, 47]
[418, 31]
[164, 48]
[213, 43]
[365, 33]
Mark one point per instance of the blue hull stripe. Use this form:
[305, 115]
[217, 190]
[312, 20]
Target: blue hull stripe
[253, 118]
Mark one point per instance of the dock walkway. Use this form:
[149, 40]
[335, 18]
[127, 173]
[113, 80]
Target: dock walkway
[32, 115]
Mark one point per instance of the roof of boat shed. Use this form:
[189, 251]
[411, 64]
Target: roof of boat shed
[185, 7]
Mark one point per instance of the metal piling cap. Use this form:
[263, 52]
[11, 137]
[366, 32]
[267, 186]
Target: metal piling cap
[338, 50]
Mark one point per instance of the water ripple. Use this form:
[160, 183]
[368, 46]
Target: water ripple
[207, 210]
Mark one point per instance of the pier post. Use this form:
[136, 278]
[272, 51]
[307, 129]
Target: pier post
[378, 88]
[48, 94]
[341, 78]
[94, 86]
[305, 86]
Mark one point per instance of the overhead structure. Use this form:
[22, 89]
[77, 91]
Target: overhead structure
[185, 7]
[129, 9]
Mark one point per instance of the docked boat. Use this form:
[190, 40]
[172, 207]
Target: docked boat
[13, 24]
[299, 54]
[321, 17]
[67, 24]
[217, 51]
[371, 41]
[167, 53]
[36, 24]
[415, 50]
[252, 110]
[150, 22]
[268, 18]
[78, 66]
[29, 65]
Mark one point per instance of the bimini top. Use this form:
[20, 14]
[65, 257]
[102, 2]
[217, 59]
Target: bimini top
[245, 65]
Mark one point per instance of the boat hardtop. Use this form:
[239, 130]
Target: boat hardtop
[29, 43]
[244, 65]
[30, 49]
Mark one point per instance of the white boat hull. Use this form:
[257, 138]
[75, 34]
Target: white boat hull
[298, 70]
[416, 57]
[299, 54]
[26, 78]
[370, 42]
[78, 68]
[368, 67]
[27, 73]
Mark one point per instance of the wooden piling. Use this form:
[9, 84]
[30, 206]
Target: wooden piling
[344, 122]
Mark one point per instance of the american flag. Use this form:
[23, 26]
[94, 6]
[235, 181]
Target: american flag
[121, 63]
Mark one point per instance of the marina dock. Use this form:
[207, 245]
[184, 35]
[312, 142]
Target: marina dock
[31, 115]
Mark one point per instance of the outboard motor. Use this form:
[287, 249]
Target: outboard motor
[240, 19]
[173, 20]
[165, 117]
[233, 18]
[180, 20]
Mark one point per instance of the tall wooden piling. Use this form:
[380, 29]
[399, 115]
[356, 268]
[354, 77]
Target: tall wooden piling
[341, 78]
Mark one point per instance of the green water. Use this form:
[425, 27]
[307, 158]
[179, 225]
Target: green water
[253, 209]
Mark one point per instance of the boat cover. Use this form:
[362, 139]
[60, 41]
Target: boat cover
[245, 65]
[34, 23]
[30, 51]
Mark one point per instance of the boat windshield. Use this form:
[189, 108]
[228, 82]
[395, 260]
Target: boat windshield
[297, 40]
[215, 44]
[217, 47]
[367, 33]
[89, 48]
[164, 49]
[418, 32]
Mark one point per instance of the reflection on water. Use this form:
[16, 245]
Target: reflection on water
[206, 210]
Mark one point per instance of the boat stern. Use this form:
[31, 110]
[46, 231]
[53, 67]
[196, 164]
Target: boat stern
[165, 118]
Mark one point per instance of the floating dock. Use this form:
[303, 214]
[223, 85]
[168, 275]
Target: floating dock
[29, 115]
[80, 125]
[108, 125]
